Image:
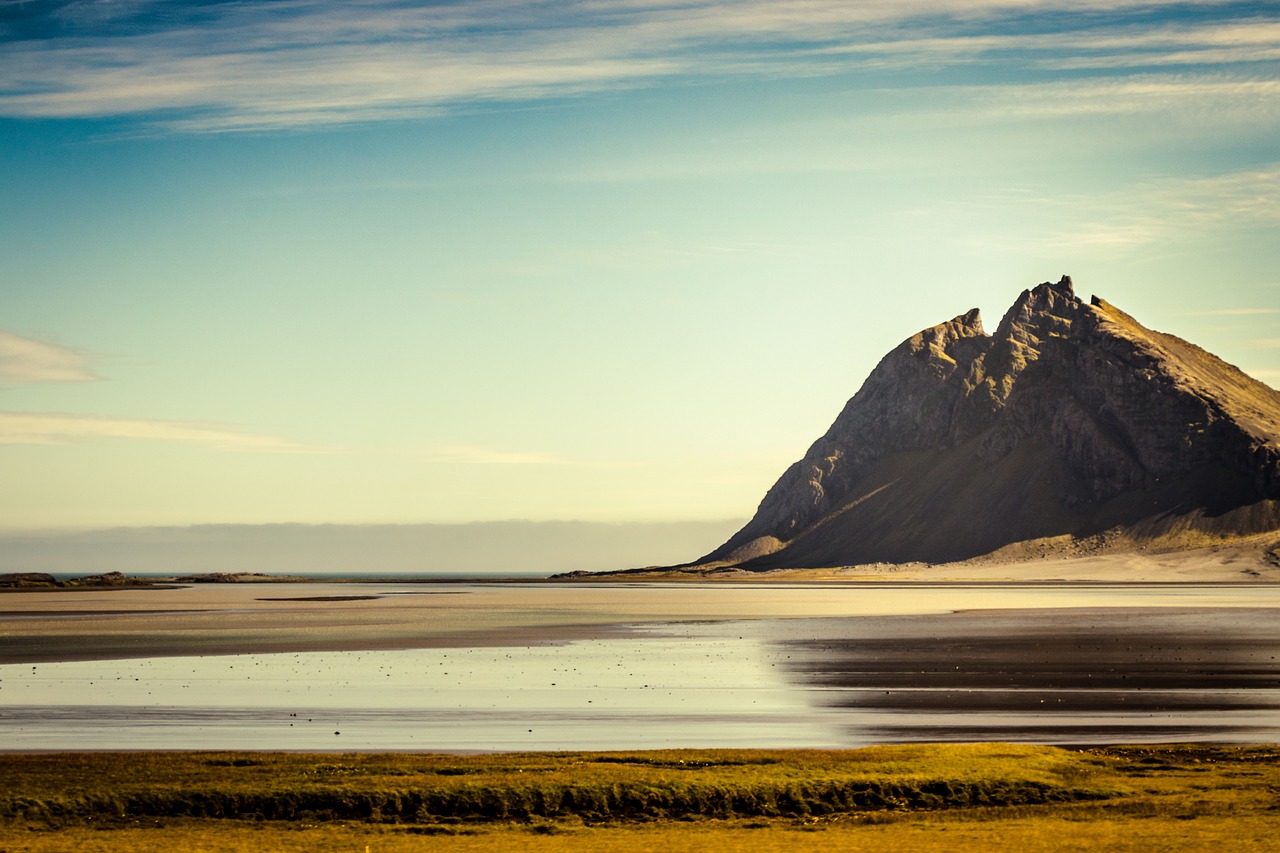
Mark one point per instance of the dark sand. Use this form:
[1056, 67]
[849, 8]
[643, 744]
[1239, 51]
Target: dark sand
[234, 618]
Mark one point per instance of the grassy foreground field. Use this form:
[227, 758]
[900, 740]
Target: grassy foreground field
[919, 797]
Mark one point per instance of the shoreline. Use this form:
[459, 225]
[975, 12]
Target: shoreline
[1255, 561]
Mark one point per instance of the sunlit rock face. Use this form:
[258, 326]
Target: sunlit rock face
[1071, 428]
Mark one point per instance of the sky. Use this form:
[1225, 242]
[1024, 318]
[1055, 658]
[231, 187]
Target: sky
[402, 263]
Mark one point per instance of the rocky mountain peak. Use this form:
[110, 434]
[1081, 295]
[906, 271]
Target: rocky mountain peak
[1042, 310]
[1073, 419]
[1039, 315]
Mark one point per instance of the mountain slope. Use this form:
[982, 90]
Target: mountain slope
[1071, 422]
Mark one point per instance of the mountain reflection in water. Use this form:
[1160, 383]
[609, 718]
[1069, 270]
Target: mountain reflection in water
[1048, 676]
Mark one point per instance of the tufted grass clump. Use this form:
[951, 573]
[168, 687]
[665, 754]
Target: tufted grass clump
[636, 800]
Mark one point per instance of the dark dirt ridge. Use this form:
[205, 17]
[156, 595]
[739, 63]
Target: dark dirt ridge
[1073, 424]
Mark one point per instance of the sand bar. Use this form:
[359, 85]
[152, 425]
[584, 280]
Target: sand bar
[233, 618]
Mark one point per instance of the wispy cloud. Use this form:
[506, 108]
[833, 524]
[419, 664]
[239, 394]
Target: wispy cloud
[1148, 212]
[253, 65]
[1242, 312]
[1271, 377]
[1255, 40]
[1116, 46]
[1160, 209]
[24, 361]
[57, 428]
[1202, 95]
[469, 455]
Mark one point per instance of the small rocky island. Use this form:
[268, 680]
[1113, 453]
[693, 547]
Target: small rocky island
[44, 580]
[116, 580]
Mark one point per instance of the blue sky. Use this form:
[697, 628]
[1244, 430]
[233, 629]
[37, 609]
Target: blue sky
[383, 262]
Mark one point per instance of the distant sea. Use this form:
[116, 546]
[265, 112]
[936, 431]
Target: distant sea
[506, 548]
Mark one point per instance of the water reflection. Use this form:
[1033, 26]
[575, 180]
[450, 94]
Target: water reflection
[1049, 676]
[642, 692]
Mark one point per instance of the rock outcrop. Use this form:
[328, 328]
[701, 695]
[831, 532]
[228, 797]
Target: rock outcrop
[27, 580]
[108, 579]
[42, 580]
[1071, 424]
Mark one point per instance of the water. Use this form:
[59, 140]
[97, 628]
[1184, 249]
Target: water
[763, 667]
[594, 694]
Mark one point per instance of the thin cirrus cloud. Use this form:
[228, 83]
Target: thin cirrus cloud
[1145, 212]
[25, 361]
[1270, 377]
[1256, 100]
[1118, 47]
[273, 65]
[57, 428]
[28, 361]
[470, 455]
[1238, 312]
[1194, 206]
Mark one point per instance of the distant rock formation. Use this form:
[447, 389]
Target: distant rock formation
[232, 577]
[107, 579]
[27, 580]
[1072, 426]
[41, 580]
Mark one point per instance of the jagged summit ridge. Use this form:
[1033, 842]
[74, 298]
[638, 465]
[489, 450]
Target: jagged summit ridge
[1070, 420]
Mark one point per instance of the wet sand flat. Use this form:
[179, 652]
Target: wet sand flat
[483, 667]
[235, 618]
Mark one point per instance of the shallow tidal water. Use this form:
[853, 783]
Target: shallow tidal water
[870, 665]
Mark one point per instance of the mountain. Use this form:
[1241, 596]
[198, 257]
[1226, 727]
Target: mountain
[1072, 428]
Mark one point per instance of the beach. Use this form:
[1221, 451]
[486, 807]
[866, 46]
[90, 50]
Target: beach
[216, 618]
[552, 666]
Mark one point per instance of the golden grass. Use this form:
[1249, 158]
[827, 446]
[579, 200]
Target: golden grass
[954, 798]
